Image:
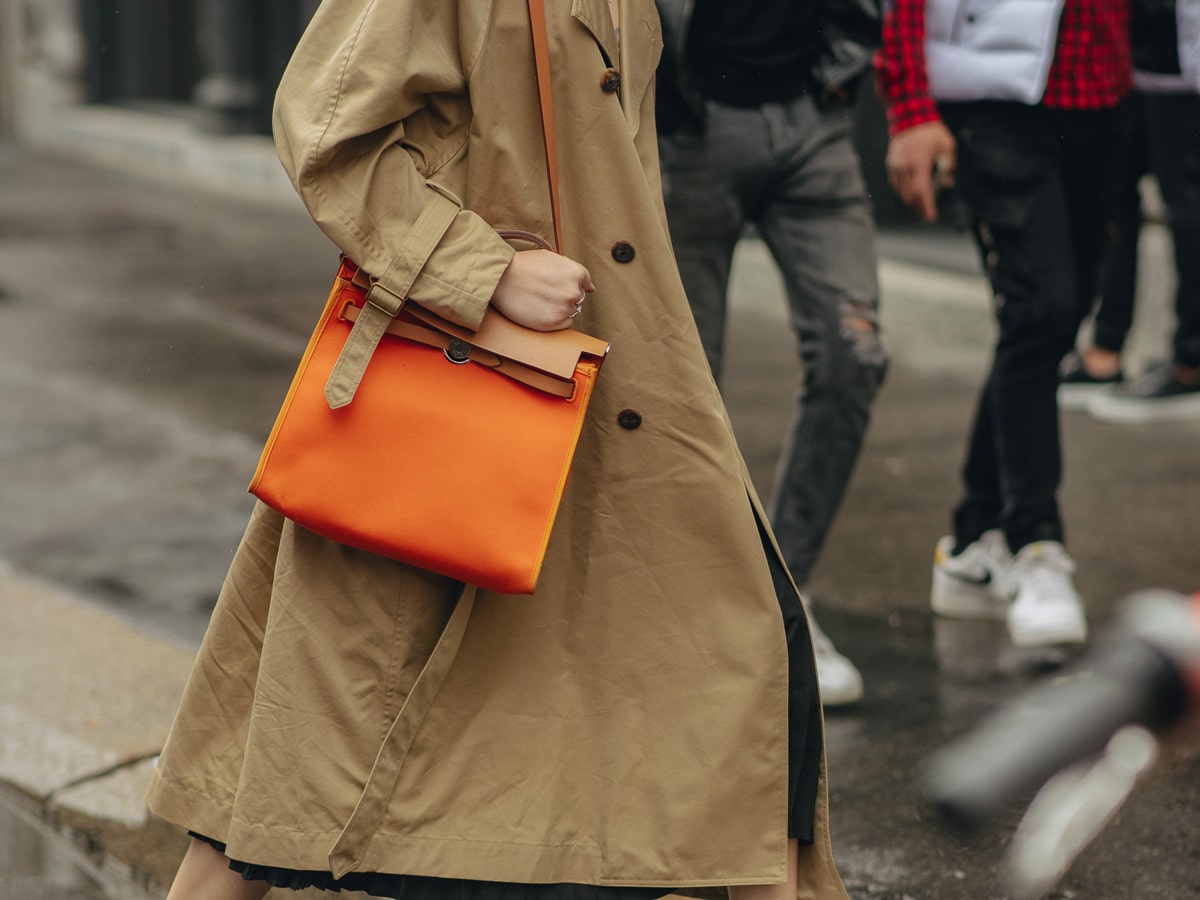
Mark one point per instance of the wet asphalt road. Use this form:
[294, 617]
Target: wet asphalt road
[147, 336]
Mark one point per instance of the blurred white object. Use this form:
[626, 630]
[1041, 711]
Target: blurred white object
[1073, 808]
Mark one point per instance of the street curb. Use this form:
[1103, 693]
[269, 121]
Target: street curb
[86, 701]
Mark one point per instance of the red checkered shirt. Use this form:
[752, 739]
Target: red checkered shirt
[1091, 67]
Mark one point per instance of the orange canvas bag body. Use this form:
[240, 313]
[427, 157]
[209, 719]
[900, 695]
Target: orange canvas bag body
[408, 436]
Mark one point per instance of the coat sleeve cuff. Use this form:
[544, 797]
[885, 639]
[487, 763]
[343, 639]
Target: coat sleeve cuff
[450, 262]
[459, 279]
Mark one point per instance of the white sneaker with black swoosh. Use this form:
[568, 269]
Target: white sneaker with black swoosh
[1046, 609]
[974, 584]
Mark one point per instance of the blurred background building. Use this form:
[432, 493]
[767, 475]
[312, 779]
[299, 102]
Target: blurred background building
[182, 89]
[179, 89]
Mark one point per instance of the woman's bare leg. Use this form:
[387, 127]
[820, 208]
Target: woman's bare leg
[204, 874]
[786, 891]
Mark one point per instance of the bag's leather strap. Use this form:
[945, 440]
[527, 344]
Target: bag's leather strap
[383, 303]
[554, 353]
[516, 234]
[459, 351]
[541, 58]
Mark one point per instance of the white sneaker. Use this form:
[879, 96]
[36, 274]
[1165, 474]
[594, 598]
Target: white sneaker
[1046, 608]
[839, 679]
[974, 584]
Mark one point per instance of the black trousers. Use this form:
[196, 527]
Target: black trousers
[1036, 183]
[1118, 280]
[1174, 124]
[1160, 136]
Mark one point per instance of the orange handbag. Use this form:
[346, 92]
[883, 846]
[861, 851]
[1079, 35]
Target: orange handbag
[411, 437]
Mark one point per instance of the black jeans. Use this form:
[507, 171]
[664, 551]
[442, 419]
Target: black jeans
[1174, 124]
[1161, 135]
[1036, 183]
[1118, 279]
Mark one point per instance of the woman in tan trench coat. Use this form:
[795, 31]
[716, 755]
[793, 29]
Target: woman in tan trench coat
[635, 724]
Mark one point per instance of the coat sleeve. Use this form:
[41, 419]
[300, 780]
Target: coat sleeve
[362, 138]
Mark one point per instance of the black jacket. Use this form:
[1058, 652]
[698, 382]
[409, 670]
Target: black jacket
[849, 33]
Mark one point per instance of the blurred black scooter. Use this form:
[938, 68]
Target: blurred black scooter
[1082, 741]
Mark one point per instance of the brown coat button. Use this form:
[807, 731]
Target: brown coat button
[610, 82]
[623, 252]
[629, 419]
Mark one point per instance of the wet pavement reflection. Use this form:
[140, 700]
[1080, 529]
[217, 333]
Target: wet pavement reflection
[929, 680]
[38, 864]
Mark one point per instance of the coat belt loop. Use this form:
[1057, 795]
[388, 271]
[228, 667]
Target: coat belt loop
[347, 373]
[351, 846]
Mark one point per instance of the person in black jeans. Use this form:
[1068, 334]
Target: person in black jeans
[755, 125]
[1161, 137]
[1097, 366]
[1035, 181]
[1029, 135]
[1170, 391]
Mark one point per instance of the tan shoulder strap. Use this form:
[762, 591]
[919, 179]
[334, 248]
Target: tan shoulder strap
[541, 57]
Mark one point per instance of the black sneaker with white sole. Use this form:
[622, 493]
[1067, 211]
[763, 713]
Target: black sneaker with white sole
[1157, 396]
[1077, 386]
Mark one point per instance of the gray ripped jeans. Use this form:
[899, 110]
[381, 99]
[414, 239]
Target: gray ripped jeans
[792, 170]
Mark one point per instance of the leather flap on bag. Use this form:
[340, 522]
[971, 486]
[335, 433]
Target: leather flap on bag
[553, 352]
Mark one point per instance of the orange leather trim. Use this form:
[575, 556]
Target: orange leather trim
[553, 352]
[432, 337]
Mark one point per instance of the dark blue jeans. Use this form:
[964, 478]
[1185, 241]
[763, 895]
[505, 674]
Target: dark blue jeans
[792, 170]
[1036, 183]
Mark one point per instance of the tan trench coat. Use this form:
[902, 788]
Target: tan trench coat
[627, 724]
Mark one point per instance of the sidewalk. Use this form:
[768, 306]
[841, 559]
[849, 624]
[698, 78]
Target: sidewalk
[85, 703]
[133, 313]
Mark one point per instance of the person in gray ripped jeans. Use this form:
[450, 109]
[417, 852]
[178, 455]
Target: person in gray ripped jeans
[755, 124]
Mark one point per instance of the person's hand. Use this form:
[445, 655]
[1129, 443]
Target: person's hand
[542, 290]
[920, 161]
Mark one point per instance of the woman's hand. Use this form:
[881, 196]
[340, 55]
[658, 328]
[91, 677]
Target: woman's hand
[542, 290]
